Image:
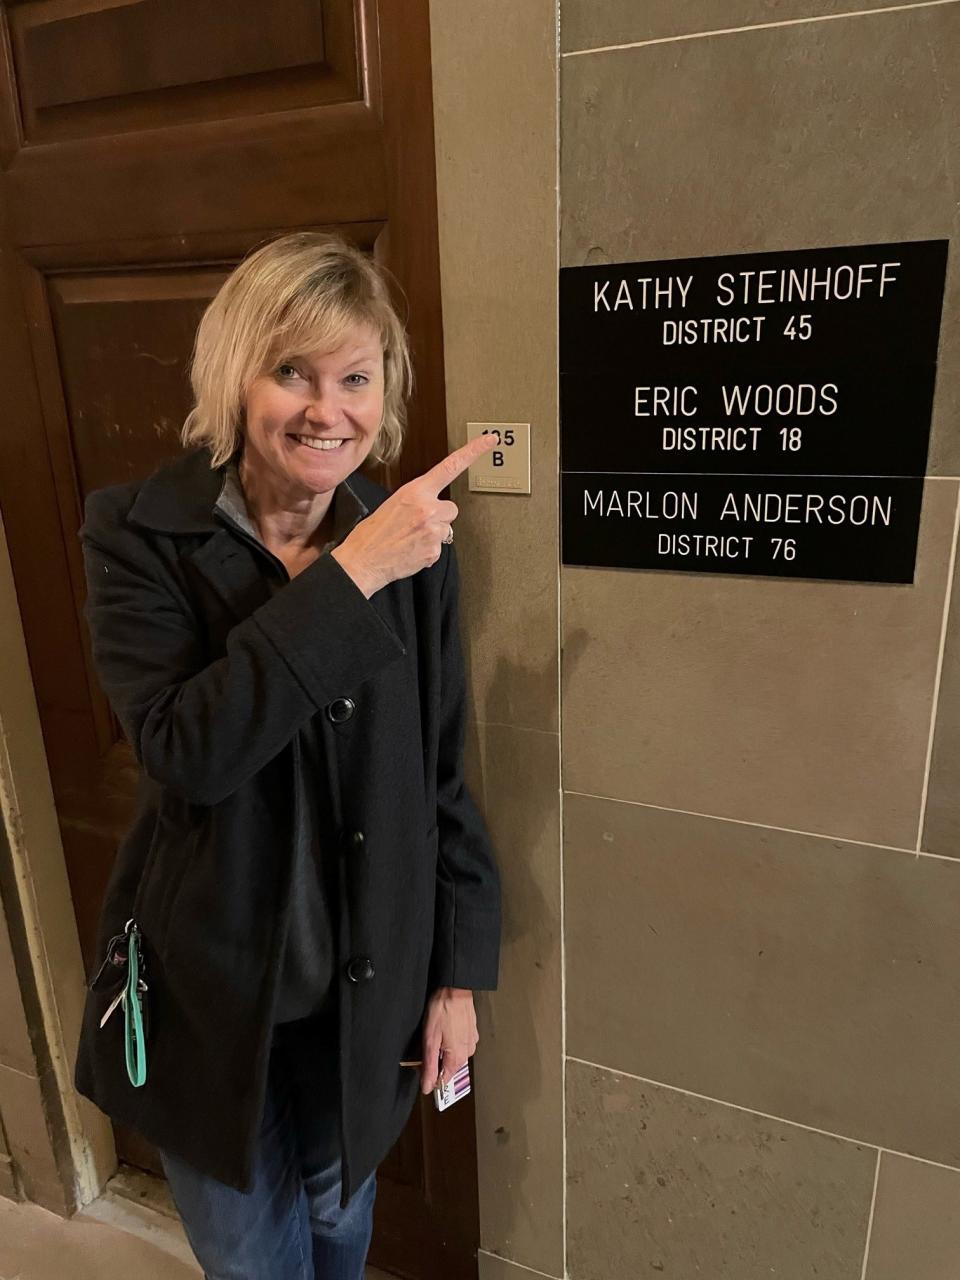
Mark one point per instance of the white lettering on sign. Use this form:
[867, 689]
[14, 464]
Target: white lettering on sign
[650, 293]
[786, 400]
[808, 508]
[712, 329]
[715, 439]
[666, 401]
[646, 506]
[705, 545]
[768, 287]
[805, 284]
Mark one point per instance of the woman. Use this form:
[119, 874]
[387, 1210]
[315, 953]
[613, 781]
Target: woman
[307, 898]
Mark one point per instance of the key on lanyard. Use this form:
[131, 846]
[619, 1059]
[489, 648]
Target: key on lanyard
[121, 995]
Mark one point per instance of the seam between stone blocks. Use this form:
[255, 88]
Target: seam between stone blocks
[763, 1115]
[519, 728]
[757, 26]
[499, 1257]
[25, 1075]
[935, 702]
[873, 1207]
[767, 826]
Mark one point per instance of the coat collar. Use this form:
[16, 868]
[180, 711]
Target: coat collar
[180, 496]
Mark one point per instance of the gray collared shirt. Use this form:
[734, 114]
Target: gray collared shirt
[310, 954]
[347, 507]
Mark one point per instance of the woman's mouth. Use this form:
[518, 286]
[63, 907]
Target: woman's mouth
[322, 444]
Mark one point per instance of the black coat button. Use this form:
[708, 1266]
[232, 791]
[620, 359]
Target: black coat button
[340, 710]
[353, 840]
[360, 969]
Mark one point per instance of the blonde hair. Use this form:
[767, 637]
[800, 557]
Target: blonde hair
[292, 295]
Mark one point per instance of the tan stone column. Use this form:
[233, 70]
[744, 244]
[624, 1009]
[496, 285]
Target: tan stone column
[55, 1148]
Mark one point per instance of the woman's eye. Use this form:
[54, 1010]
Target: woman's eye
[363, 379]
[287, 370]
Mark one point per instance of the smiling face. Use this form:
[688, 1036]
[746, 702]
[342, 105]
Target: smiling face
[312, 419]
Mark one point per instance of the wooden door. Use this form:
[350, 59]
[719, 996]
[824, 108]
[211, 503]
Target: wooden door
[146, 146]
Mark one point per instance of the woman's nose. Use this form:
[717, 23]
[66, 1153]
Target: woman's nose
[323, 410]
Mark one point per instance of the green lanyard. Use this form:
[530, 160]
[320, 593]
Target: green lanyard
[134, 1040]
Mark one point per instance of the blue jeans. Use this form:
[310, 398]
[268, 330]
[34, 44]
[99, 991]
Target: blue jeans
[289, 1226]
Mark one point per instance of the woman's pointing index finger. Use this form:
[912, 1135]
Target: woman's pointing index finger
[454, 464]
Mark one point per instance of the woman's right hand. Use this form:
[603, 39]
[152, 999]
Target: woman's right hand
[406, 532]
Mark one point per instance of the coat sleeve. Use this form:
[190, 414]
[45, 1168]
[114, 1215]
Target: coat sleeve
[467, 920]
[203, 728]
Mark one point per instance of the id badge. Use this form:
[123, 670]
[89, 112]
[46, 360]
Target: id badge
[457, 1087]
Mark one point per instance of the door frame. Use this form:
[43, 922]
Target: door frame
[77, 1155]
[48, 973]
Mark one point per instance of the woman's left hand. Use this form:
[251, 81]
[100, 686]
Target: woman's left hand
[450, 1030]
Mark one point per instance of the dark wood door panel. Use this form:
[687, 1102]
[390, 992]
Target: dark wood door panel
[117, 345]
[87, 69]
[128, 49]
[123, 340]
[247, 161]
[239, 179]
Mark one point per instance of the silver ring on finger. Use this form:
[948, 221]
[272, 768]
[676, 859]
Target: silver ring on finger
[449, 538]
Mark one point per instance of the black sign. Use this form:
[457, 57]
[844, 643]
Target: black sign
[763, 413]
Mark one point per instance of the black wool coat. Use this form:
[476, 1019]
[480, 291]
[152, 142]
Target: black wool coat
[211, 675]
